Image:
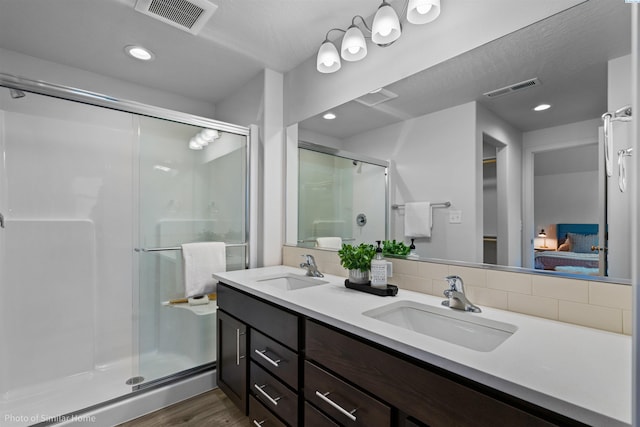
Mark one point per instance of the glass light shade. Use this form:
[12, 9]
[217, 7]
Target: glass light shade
[386, 25]
[423, 11]
[210, 134]
[194, 145]
[200, 140]
[354, 46]
[328, 58]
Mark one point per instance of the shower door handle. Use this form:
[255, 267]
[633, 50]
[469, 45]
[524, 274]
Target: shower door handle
[1, 220]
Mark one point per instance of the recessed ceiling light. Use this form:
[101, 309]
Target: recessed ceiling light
[542, 107]
[376, 90]
[329, 116]
[139, 52]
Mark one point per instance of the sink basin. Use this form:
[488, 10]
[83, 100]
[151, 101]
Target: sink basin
[292, 282]
[457, 327]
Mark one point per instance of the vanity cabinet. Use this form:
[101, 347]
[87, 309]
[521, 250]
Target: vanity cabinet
[300, 371]
[231, 369]
[268, 387]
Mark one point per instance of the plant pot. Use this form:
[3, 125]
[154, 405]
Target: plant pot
[359, 277]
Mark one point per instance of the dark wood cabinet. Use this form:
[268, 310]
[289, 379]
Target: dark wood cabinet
[304, 372]
[231, 370]
[270, 383]
[342, 401]
[261, 416]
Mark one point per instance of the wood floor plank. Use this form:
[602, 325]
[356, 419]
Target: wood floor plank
[212, 408]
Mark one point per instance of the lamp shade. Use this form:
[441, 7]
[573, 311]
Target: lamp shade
[542, 233]
[386, 25]
[354, 46]
[423, 11]
[328, 58]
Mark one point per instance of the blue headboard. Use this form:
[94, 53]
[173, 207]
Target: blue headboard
[563, 229]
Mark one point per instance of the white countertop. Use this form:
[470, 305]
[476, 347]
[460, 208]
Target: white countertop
[579, 372]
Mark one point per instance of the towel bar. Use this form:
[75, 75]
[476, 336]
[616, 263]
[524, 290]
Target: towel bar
[348, 239]
[434, 205]
[178, 248]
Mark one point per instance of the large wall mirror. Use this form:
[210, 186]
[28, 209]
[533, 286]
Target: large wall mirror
[519, 181]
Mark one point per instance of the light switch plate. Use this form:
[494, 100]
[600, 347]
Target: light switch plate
[455, 217]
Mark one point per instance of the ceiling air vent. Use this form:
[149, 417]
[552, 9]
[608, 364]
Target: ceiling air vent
[376, 97]
[189, 16]
[513, 88]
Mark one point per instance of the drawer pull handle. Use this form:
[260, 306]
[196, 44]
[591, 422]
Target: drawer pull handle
[346, 413]
[262, 354]
[273, 400]
[258, 423]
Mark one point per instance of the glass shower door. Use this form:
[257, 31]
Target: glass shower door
[185, 195]
[340, 197]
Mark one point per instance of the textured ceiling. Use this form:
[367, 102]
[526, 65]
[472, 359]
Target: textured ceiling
[242, 38]
[568, 52]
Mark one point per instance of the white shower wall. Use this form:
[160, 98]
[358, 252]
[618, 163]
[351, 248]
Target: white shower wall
[66, 270]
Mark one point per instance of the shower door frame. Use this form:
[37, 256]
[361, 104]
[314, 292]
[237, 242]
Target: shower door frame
[133, 107]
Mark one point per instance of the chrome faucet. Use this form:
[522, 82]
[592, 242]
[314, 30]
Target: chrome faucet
[457, 298]
[310, 264]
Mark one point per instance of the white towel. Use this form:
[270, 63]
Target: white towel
[200, 260]
[417, 219]
[329, 242]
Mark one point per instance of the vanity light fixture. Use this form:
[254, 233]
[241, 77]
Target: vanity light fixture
[139, 52]
[542, 107]
[385, 30]
[329, 116]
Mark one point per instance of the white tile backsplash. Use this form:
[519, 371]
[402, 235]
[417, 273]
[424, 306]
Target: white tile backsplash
[605, 306]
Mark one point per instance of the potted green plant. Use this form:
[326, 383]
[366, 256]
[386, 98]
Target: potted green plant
[357, 259]
[391, 247]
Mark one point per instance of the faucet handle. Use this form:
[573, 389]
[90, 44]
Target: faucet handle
[455, 283]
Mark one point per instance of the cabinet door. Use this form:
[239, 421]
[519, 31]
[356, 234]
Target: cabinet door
[232, 362]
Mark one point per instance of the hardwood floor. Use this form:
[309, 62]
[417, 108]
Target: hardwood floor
[212, 408]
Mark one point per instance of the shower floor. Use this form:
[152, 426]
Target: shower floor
[48, 401]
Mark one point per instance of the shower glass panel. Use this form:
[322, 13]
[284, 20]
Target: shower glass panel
[82, 187]
[186, 195]
[65, 256]
[340, 197]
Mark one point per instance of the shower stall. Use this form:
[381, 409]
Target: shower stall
[341, 194]
[96, 197]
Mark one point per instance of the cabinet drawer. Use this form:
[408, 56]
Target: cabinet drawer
[342, 401]
[277, 323]
[315, 418]
[259, 416]
[273, 394]
[275, 358]
[413, 389]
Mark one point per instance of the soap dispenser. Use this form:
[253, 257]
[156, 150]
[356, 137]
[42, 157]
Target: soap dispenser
[378, 269]
[412, 250]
